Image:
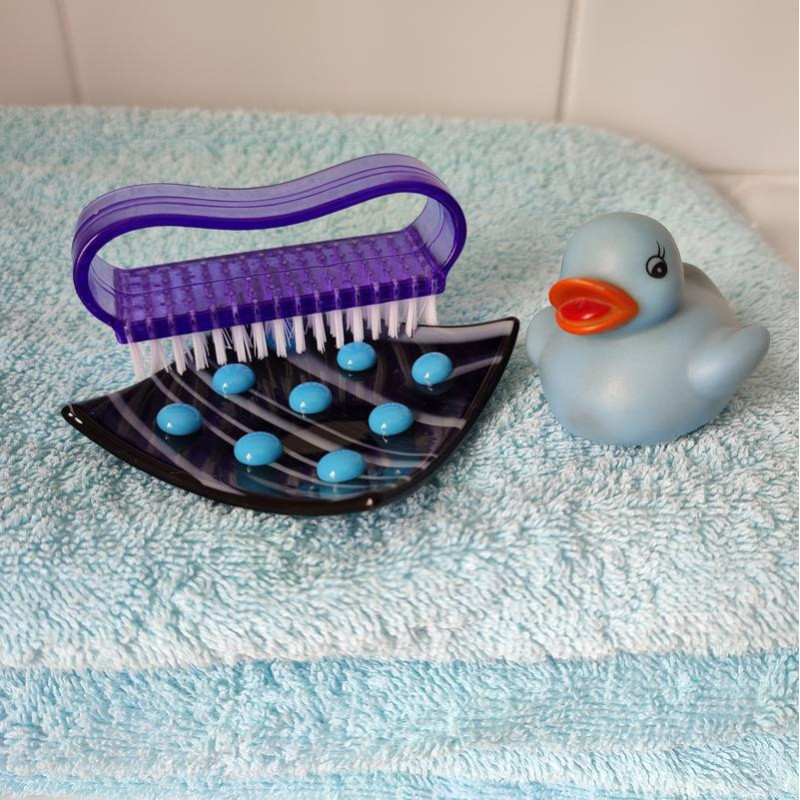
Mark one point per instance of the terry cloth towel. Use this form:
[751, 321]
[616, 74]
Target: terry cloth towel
[545, 618]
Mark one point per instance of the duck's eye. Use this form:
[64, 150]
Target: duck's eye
[656, 266]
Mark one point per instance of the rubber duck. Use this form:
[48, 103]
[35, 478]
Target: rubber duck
[637, 347]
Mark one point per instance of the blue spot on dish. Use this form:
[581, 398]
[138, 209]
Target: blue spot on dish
[432, 368]
[258, 448]
[356, 357]
[341, 466]
[179, 419]
[233, 379]
[389, 419]
[310, 398]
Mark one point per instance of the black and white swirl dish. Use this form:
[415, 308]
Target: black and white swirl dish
[124, 422]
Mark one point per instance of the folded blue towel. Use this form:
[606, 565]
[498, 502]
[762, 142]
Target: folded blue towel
[545, 618]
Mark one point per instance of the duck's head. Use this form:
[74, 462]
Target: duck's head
[619, 271]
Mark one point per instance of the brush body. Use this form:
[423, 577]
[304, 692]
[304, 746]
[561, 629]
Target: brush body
[275, 300]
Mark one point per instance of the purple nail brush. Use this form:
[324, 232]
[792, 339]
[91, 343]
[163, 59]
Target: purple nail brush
[359, 286]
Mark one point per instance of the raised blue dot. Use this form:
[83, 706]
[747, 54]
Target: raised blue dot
[340, 466]
[432, 368]
[233, 379]
[389, 419]
[310, 398]
[179, 419]
[258, 448]
[356, 357]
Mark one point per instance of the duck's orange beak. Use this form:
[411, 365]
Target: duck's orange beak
[585, 305]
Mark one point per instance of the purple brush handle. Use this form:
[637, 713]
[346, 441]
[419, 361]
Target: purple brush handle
[197, 295]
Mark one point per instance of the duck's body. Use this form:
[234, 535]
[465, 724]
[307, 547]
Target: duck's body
[644, 384]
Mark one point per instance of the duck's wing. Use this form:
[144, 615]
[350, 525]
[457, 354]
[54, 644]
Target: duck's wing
[695, 275]
[539, 331]
[726, 359]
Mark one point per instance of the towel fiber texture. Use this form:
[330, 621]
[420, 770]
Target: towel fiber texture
[545, 618]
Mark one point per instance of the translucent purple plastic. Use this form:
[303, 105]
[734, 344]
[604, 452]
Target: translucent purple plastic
[184, 297]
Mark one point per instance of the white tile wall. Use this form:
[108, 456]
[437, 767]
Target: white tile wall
[34, 67]
[714, 81]
[443, 57]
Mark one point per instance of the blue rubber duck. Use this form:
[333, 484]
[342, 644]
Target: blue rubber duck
[637, 347]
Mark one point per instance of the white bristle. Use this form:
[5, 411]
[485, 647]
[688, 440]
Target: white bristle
[411, 316]
[157, 360]
[179, 354]
[259, 336]
[252, 343]
[138, 360]
[375, 321]
[241, 342]
[279, 336]
[318, 327]
[357, 324]
[299, 329]
[199, 350]
[428, 315]
[338, 328]
[218, 340]
[393, 318]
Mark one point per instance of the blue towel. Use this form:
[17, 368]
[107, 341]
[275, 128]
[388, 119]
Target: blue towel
[545, 618]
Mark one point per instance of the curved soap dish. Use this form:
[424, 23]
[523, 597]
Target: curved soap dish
[124, 422]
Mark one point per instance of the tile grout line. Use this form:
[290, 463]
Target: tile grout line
[567, 57]
[69, 50]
